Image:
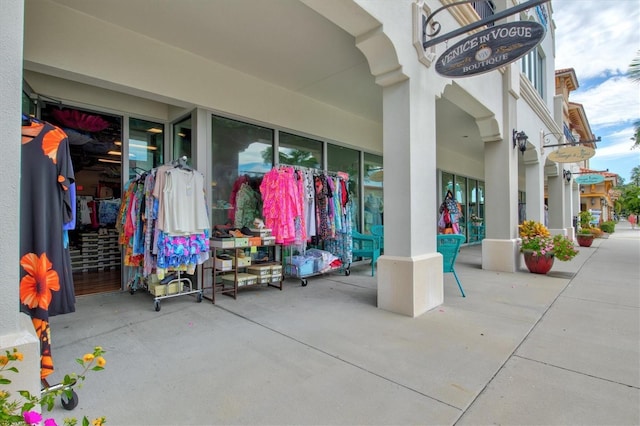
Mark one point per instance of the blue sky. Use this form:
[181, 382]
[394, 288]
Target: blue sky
[599, 39]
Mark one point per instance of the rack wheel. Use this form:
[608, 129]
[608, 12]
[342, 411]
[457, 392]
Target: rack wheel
[156, 304]
[347, 272]
[304, 282]
[131, 291]
[199, 297]
[69, 403]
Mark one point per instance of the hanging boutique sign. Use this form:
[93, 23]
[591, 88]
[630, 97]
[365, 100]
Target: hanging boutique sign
[572, 154]
[490, 49]
[591, 179]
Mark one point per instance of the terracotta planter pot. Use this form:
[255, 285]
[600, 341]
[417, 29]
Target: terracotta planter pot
[584, 240]
[538, 264]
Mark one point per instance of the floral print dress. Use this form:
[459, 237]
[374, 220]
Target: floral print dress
[46, 282]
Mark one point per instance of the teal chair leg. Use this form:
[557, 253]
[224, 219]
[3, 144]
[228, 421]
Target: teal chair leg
[459, 285]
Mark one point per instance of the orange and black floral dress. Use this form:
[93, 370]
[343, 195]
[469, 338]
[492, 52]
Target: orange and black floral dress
[46, 282]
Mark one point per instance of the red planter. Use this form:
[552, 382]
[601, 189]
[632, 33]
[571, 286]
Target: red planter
[584, 240]
[538, 264]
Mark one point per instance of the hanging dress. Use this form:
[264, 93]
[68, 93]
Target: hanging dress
[46, 282]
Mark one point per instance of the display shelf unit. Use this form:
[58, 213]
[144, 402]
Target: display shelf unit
[231, 269]
[96, 252]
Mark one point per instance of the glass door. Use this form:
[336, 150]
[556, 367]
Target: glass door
[95, 144]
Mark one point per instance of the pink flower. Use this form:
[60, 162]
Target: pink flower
[32, 417]
[50, 422]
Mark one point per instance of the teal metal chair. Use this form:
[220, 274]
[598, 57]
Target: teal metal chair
[366, 247]
[378, 231]
[449, 247]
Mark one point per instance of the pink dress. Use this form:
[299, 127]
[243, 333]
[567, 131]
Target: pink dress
[281, 203]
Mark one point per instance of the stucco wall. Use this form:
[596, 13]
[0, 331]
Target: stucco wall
[114, 58]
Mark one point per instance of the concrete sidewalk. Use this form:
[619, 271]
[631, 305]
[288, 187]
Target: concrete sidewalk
[520, 349]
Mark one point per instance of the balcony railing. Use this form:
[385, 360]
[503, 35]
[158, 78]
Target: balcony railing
[485, 9]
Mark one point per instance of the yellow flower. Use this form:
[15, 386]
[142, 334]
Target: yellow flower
[18, 356]
[97, 349]
[98, 422]
[4, 394]
[4, 360]
[101, 362]
[88, 357]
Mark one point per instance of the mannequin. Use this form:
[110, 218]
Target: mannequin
[450, 212]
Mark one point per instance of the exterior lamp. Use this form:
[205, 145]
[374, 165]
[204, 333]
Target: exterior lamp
[566, 174]
[520, 140]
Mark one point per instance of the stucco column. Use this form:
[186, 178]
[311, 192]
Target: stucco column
[555, 195]
[534, 187]
[500, 247]
[16, 329]
[569, 204]
[410, 277]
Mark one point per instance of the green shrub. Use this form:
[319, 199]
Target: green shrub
[609, 227]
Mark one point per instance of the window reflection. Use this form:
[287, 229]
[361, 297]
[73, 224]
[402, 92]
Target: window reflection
[146, 142]
[182, 140]
[238, 150]
[373, 192]
[297, 150]
[341, 159]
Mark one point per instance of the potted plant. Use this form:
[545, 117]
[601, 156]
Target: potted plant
[585, 234]
[540, 248]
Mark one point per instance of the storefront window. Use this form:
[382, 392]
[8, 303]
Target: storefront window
[470, 195]
[146, 142]
[239, 150]
[28, 105]
[341, 159]
[182, 140]
[373, 191]
[447, 184]
[461, 196]
[522, 206]
[475, 210]
[297, 150]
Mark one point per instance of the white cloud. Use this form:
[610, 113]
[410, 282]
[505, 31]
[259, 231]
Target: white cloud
[599, 39]
[614, 101]
[594, 36]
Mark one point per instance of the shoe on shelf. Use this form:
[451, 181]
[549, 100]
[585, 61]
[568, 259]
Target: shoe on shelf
[238, 233]
[221, 234]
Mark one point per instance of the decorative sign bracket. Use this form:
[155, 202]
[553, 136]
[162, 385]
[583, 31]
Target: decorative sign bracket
[435, 25]
[573, 143]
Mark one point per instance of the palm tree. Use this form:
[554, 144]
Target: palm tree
[634, 74]
[635, 175]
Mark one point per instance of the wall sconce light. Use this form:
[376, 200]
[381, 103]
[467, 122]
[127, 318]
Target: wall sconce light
[566, 174]
[582, 190]
[520, 140]
[593, 201]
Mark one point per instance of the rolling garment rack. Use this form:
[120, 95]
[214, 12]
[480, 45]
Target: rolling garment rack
[164, 227]
[316, 238]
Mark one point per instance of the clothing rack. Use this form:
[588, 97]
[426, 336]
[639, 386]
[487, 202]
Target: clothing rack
[181, 291]
[182, 163]
[150, 246]
[341, 175]
[315, 255]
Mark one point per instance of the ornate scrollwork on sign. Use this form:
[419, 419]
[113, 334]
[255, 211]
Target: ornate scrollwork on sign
[420, 14]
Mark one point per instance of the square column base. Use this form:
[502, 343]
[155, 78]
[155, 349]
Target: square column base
[25, 340]
[501, 255]
[410, 285]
